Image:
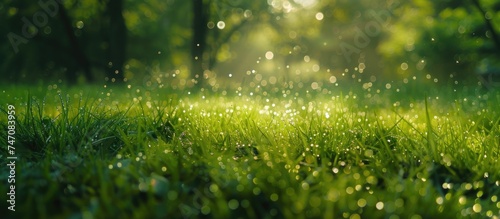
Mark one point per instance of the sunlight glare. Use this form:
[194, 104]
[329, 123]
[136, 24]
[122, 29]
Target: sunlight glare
[306, 3]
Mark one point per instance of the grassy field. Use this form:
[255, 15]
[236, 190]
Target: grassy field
[94, 152]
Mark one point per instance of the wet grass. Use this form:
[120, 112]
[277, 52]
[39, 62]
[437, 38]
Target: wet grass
[125, 153]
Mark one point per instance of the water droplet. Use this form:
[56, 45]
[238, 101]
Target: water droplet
[494, 198]
[319, 16]
[269, 55]
[247, 14]
[361, 203]
[477, 208]
[379, 205]
[314, 85]
[79, 24]
[307, 59]
[210, 25]
[349, 190]
[439, 200]
[221, 25]
[315, 68]
[404, 66]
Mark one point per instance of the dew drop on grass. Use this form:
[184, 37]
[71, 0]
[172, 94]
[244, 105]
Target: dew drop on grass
[319, 16]
[477, 208]
[489, 213]
[307, 58]
[361, 203]
[221, 25]
[269, 55]
[358, 188]
[439, 200]
[349, 190]
[355, 216]
[404, 66]
[468, 186]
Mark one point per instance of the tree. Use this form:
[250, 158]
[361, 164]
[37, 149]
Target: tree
[198, 46]
[213, 25]
[116, 38]
[74, 49]
[488, 23]
[60, 45]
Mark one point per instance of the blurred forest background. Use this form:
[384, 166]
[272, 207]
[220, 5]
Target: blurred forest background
[201, 43]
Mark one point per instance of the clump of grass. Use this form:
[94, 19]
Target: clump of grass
[255, 156]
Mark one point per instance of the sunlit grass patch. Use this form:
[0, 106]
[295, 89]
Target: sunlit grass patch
[199, 155]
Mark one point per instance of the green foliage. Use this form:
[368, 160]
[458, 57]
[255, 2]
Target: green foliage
[386, 41]
[434, 38]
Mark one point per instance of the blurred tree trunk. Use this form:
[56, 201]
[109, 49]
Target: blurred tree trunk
[75, 49]
[489, 24]
[198, 44]
[117, 40]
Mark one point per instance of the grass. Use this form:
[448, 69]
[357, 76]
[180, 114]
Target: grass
[275, 153]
